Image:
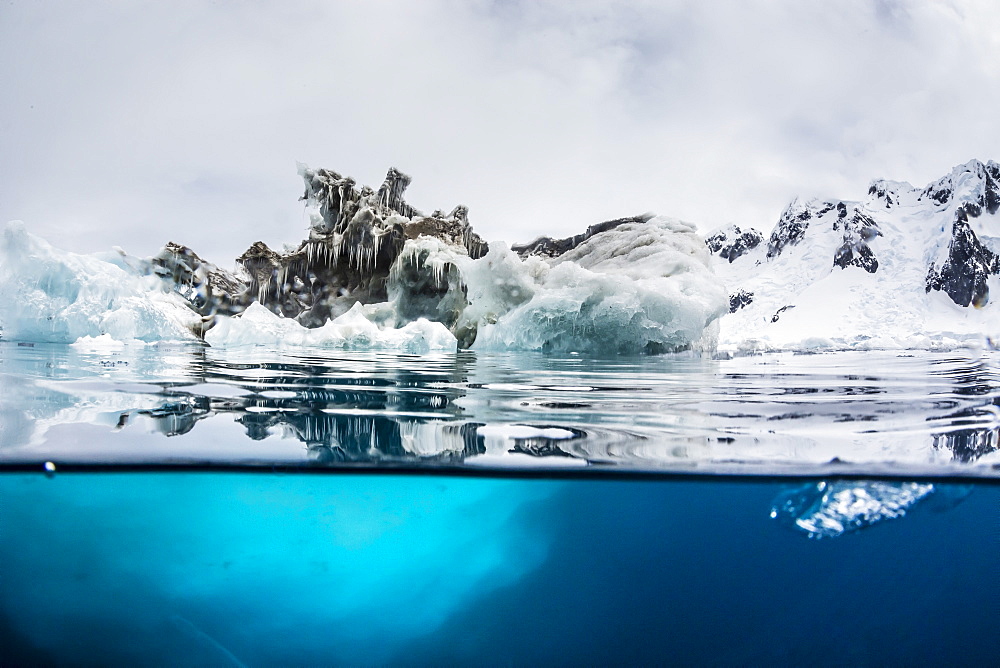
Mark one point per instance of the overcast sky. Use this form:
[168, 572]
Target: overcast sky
[134, 123]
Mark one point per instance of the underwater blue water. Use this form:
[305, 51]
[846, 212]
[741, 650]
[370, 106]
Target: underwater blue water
[209, 568]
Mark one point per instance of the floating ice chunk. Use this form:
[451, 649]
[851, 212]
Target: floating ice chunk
[829, 509]
[101, 343]
[258, 326]
[54, 296]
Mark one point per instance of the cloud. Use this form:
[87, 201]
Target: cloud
[134, 124]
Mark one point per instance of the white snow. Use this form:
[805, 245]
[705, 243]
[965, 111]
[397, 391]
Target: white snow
[834, 308]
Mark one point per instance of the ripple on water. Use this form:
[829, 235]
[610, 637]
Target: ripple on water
[857, 412]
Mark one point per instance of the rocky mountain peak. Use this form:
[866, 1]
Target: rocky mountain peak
[974, 183]
[886, 194]
[732, 242]
[792, 225]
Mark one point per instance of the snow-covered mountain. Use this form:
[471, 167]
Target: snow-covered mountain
[902, 267]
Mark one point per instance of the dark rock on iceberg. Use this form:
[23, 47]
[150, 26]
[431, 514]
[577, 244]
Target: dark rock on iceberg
[182, 266]
[733, 242]
[208, 289]
[549, 247]
[355, 238]
[419, 290]
[352, 244]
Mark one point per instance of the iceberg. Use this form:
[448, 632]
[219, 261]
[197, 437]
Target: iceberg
[374, 271]
[258, 326]
[49, 295]
[639, 287]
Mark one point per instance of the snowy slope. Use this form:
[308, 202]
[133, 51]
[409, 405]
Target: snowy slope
[901, 268]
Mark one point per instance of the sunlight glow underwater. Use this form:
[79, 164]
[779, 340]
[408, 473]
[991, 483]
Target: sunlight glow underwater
[188, 554]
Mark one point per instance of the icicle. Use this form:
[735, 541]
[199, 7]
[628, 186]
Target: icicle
[282, 279]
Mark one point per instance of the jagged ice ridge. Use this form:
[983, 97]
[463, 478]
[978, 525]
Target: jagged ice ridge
[376, 272]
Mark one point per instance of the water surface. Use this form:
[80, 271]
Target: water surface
[886, 413]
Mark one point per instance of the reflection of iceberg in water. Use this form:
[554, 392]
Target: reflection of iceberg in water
[934, 415]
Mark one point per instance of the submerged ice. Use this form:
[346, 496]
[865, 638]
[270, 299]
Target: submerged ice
[827, 509]
[832, 508]
[341, 557]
